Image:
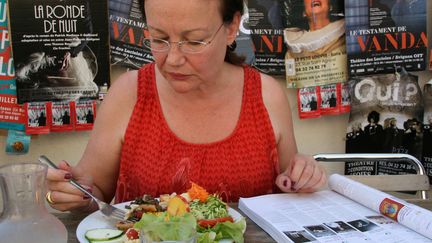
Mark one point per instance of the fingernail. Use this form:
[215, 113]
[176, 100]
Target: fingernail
[68, 176]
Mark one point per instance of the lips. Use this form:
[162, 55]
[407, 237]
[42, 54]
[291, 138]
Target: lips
[316, 3]
[178, 76]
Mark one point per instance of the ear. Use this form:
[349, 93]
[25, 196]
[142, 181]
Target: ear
[233, 28]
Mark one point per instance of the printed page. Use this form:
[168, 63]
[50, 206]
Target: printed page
[324, 216]
[409, 215]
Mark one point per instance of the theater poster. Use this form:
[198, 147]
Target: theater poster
[382, 34]
[386, 117]
[60, 48]
[314, 34]
[265, 22]
[12, 115]
[127, 32]
[427, 129]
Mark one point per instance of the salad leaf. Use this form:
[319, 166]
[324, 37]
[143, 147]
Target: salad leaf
[164, 227]
[225, 230]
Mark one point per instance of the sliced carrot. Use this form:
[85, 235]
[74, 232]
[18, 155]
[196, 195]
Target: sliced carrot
[198, 192]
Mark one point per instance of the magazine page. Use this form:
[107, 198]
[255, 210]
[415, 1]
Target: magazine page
[314, 33]
[63, 53]
[381, 34]
[324, 216]
[409, 215]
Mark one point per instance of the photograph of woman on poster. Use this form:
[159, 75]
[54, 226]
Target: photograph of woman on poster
[314, 26]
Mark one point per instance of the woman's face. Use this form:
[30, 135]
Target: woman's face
[189, 20]
[316, 8]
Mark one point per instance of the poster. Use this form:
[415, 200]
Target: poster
[427, 129]
[11, 114]
[386, 117]
[314, 33]
[84, 114]
[382, 34]
[60, 48]
[127, 32]
[266, 30]
[62, 116]
[243, 40]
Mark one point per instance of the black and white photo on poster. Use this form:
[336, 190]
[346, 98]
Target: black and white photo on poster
[128, 29]
[62, 116]
[386, 117]
[244, 45]
[38, 117]
[63, 53]
[427, 129]
[314, 33]
[330, 98]
[85, 114]
[308, 101]
[383, 33]
[266, 28]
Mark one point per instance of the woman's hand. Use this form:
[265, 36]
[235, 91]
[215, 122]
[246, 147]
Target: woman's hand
[61, 194]
[303, 175]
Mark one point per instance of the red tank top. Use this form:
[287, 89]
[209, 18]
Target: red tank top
[155, 161]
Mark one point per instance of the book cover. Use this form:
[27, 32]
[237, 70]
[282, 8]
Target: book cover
[128, 29]
[265, 22]
[314, 33]
[385, 117]
[383, 34]
[60, 48]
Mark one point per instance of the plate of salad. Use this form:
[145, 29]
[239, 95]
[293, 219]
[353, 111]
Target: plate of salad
[213, 219]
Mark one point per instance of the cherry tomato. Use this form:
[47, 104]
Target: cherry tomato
[208, 223]
[132, 234]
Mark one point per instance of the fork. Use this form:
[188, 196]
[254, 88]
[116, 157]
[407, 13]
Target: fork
[106, 209]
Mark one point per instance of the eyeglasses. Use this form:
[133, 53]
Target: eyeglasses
[186, 46]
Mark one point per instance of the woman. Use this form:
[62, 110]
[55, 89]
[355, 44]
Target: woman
[321, 28]
[195, 115]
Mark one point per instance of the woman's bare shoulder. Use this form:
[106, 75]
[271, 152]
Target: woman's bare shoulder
[272, 91]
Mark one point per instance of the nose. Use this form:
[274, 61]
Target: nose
[175, 56]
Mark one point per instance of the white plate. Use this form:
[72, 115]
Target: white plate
[98, 220]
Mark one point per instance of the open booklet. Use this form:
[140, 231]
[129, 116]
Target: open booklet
[349, 212]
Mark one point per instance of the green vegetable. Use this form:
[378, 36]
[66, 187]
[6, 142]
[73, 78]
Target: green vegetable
[103, 234]
[163, 227]
[213, 208]
[225, 230]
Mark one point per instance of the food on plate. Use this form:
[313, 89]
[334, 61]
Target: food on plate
[196, 208]
[105, 235]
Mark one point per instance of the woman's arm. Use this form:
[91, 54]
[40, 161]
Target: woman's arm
[297, 172]
[99, 165]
